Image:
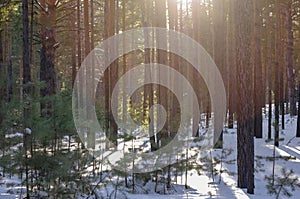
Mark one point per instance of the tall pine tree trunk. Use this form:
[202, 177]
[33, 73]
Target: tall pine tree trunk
[9, 89]
[79, 51]
[2, 134]
[219, 48]
[290, 58]
[281, 62]
[73, 56]
[276, 72]
[298, 118]
[245, 140]
[88, 76]
[269, 67]
[47, 54]
[193, 76]
[148, 89]
[32, 33]
[162, 58]
[232, 65]
[111, 73]
[26, 89]
[258, 95]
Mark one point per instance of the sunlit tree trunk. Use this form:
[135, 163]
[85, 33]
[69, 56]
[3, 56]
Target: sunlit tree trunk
[173, 107]
[73, 56]
[245, 140]
[47, 20]
[32, 33]
[92, 40]
[231, 62]
[79, 54]
[281, 61]
[269, 67]
[258, 95]
[219, 52]
[111, 74]
[148, 89]
[298, 118]
[86, 28]
[174, 118]
[89, 72]
[93, 136]
[113, 71]
[290, 57]
[193, 76]
[106, 72]
[162, 58]
[276, 72]
[124, 67]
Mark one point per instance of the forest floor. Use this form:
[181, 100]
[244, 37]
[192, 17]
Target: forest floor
[287, 156]
[205, 186]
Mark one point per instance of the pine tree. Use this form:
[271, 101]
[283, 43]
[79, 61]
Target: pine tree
[298, 118]
[26, 89]
[289, 56]
[258, 95]
[245, 142]
[282, 185]
[231, 65]
[219, 48]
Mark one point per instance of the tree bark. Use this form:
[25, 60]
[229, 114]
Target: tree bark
[276, 71]
[148, 89]
[258, 95]
[2, 134]
[281, 61]
[231, 64]
[162, 58]
[9, 89]
[269, 68]
[219, 48]
[73, 58]
[47, 55]
[245, 140]
[32, 33]
[110, 75]
[79, 52]
[26, 89]
[298, 118]
[290, 58]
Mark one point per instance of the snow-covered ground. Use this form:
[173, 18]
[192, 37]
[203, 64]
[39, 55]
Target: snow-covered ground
[204, 186]
[11, 188]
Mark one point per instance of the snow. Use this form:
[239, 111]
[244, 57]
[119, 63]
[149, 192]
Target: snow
[18, 134]
[205, 186]
[227, 188]
[14, 135]
[28, 131]
[11, 188]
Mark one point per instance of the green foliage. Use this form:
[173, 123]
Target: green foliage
[63, 113]
[271, 158]
[8, 9]
[284, 184]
